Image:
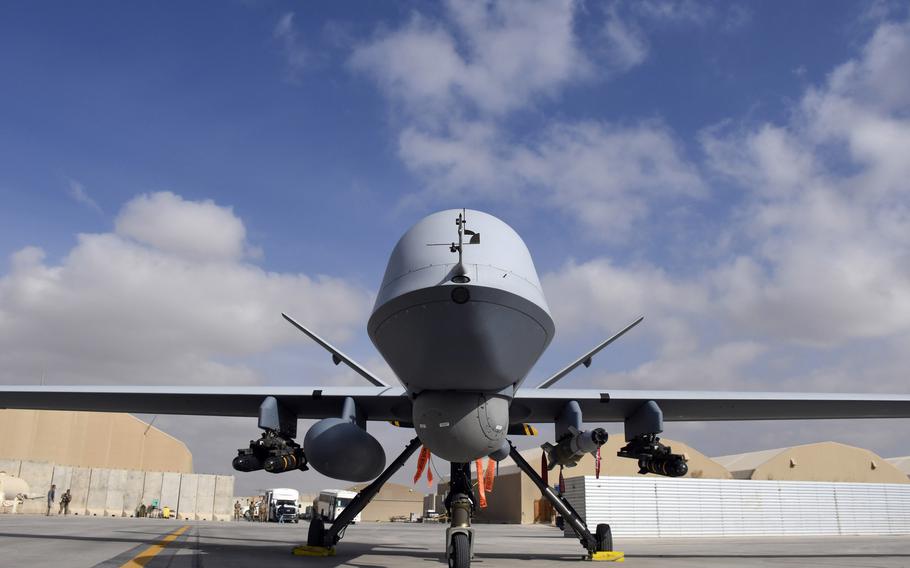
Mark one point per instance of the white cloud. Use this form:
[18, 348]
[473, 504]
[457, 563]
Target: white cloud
[116, 310]
[675, 11]
[493, 57]
[599, 295]
[77, 192]
[718, 367]
[606, 176]
[196, 229]
[816, 294]
[459, 78]
[827, 210]
[626, 44]
[296, 55]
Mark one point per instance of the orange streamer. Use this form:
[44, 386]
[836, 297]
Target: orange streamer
[488, 476]
[480, 485]
[422, 462]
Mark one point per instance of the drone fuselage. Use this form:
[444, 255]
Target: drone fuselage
[461, 329]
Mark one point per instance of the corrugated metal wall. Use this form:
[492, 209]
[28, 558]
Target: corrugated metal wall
[733, 507]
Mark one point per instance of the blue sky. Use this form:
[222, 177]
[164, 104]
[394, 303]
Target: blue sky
[734, 171]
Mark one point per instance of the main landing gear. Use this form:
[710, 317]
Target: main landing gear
[600, 541]
[321, 540]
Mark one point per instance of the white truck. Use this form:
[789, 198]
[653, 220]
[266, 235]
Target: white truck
[282, 505]
[332, 502]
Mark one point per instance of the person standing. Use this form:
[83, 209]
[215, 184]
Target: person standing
[65, 502]
[50, 499]
[237, 511]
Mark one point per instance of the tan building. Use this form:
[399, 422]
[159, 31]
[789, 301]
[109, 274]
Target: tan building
[515, 498]
[90, 439]
[823, 461]
[394, 501]
[902, 464]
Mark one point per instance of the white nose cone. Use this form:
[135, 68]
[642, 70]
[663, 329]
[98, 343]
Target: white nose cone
[480, 325]
[422, 258]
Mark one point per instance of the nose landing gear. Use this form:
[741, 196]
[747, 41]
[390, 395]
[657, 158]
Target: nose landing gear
[460, 506]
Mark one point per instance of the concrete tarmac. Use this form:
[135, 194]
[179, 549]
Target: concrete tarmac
[40, 542]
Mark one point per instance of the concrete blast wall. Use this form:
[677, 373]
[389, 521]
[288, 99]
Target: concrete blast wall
[132, 492]
[79, 485]
[205, 497]
[170, 490]
[120, 492]
[151, 489]
[116, 485]
[224, 497]
[63, 478]
[97, 492]
[11, 467]
[39, 476]
[186, 503]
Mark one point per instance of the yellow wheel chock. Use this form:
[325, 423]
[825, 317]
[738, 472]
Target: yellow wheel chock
[305, 550]
[608, 556]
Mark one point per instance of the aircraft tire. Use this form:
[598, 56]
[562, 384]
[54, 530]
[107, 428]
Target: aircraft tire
[460, 555]
[315, 533]
[604, 537]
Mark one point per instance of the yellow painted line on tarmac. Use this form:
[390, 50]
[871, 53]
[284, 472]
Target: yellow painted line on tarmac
[146, 555]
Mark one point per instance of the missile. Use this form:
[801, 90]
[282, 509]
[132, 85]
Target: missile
[286, 462]
[573, 446]
[247, 462]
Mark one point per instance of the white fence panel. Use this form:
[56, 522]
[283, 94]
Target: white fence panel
[897, 508]
[660, 507]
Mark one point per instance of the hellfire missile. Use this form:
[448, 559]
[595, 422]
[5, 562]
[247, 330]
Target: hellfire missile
[573, 446]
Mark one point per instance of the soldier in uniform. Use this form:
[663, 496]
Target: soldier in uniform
[50, 499]
[65, 503]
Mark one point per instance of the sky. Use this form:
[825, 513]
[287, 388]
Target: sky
[173, 176]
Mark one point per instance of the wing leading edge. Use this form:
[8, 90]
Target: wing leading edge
[378, 403]
[392, 403]
[681, 406]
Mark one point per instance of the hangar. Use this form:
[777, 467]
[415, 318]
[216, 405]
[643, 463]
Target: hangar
[902, 463]
[90, 439]
[822, 461]
[394, 502]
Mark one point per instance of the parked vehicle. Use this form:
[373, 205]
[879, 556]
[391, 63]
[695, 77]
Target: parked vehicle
[282, 505]
[332, 502]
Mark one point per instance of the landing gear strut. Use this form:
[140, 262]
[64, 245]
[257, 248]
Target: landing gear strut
[602, 541]
[460, 506]
[319, 536]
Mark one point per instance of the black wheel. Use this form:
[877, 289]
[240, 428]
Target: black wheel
[460, 555]
[604, 537]
[316, 533]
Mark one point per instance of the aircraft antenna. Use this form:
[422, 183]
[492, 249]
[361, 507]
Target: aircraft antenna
[460, 222]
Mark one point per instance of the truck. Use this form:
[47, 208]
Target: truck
[332, 502]
[282, 505]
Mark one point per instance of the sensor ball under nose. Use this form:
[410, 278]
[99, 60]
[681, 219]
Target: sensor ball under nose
[460, 295]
